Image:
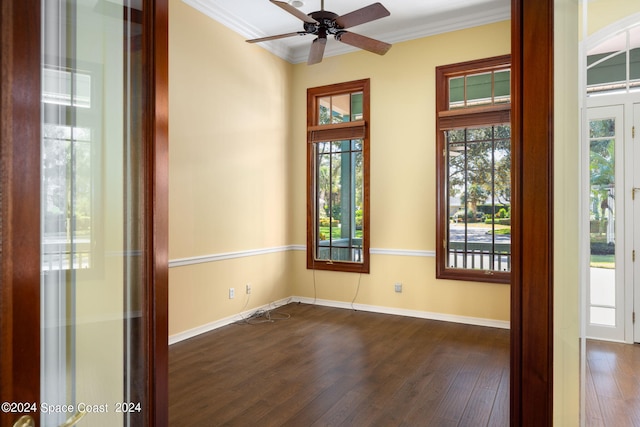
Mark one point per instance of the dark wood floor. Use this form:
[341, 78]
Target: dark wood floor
[335, 367]
[612, 384]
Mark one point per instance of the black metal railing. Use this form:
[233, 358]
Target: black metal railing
[480, 256]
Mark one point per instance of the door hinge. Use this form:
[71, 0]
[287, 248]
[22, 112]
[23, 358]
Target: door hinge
[633, 132]
[633, 255]
[633, 317]
[444, 244]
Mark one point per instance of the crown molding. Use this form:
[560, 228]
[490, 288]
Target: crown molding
[240, 26]
[434, 25]
[437, 25]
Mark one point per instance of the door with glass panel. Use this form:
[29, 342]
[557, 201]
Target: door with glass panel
[76, 116]
[605, 291]
[92, 214]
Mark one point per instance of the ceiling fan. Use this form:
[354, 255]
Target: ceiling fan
[323, 23]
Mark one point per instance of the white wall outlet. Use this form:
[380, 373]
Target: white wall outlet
[398, 287]
[248, 288]
[232, 293]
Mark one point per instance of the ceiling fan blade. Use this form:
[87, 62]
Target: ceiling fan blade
[363, 42]
[279, 36]
[295, 12]
[317, 51]
[361, 16]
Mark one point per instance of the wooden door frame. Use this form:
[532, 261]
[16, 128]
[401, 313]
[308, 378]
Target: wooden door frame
[20, 205]
[532, 285]
[532, 203]
[20, 98]
[156, 21]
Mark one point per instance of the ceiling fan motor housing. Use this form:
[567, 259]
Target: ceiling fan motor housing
[326, 23]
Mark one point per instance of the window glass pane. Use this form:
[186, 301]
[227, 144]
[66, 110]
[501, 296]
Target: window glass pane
[479, 89]
[456, 92]
[323, 200]
[502, 86]
[456, 135]
[324, 107]
[634, 64]
[602, 283]
[602, 129]
[340, 108]
[356, 106]
[340, 202]
[610, 70]
[634, 37]
[479, 191]
[603, 316]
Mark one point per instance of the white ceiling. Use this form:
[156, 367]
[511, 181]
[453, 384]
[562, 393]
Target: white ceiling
[409, 19]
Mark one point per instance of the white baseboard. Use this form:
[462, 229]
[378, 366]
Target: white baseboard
[225, 321]
[476, 321]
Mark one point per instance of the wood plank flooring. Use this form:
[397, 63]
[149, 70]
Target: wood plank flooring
[612, 385]
[335, 367]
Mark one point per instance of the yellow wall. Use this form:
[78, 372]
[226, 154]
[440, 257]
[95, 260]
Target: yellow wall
[402, 175]
[601, 13]
[229, 169]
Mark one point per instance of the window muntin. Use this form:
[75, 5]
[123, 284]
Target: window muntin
[474, 170]
[338, 157]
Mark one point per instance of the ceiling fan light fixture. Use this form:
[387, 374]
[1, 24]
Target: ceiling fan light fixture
[296, 3]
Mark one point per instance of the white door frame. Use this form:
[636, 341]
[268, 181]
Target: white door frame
[635, 214]
[617, 332]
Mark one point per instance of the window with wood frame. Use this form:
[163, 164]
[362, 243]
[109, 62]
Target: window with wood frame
[473, 152]
[338, 177]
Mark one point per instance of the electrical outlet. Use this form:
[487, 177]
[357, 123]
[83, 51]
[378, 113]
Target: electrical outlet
[248, 288]
[398, 287]
[232, 293]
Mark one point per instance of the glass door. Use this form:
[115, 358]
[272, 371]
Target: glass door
[605, 292]
[92, 222]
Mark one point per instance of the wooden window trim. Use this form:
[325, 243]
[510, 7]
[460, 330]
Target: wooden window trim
[316, 133]
[480, 116]
[450, 119]
[346, 130]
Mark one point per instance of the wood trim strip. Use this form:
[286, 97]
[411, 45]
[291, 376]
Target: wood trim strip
[157, 203]
[337, 133]
[20, 205]
[532, 213]
[355, 123]
[448, 121]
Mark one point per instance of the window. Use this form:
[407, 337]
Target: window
[473, 105]
[613, 66]
[338, 177]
